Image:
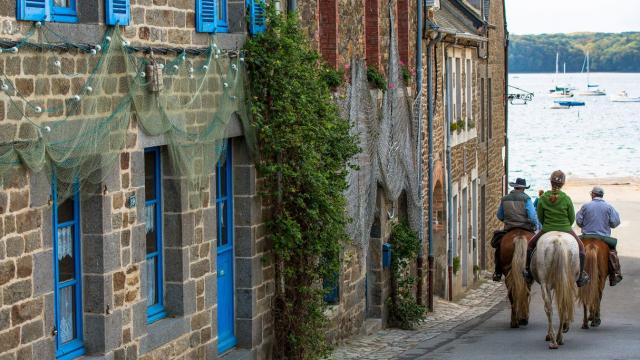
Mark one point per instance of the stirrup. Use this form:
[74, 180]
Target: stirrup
[583, 279]
[497, 277]
[528, 277]
[615, 279]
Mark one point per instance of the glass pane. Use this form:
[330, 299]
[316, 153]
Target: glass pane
[65, 211]
[149, 175]
[62, 3]
[67, 303]
[223, 223]
[151, 281]
[223, 179]
[65, 254]
[150, 226]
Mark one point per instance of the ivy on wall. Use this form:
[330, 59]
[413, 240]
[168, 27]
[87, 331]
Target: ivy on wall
[304, 148]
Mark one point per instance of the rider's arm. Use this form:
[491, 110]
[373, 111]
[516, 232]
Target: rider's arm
[540, 212]
[531, 213]
[500, 213]
[614, 217]
[580, 216]
[571, 212]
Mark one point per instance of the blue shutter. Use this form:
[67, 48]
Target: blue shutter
[117, 12]
[257, 16]
[206, 15]
[34, 10]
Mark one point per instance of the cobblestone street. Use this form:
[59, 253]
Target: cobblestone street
[408, 344]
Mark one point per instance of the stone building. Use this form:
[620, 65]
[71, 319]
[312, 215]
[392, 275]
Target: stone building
[135, 265]
[467, 39]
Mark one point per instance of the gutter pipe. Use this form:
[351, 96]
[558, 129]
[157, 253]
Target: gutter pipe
[420, 260]
[506, 89]
[291, 5]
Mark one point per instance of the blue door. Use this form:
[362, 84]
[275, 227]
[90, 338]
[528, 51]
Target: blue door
[224, 213]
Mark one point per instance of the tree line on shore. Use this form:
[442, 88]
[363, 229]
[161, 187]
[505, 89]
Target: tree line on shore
[608, 52]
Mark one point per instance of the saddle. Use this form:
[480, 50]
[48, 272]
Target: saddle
[499, 234]
[611, 241]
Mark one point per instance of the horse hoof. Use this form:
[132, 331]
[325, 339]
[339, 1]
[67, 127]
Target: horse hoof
[524, 322]
[585, 326]
[514, 326]
[596, 323]
[553, 346]
[560, 342]
[565, 328]
[548, 338]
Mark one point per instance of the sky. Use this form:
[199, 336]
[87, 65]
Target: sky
[562, 16]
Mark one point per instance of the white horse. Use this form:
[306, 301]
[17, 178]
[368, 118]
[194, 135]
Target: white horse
[555, 265]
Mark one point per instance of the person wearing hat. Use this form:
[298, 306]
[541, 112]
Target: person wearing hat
[516, 211]
[556, 213]
[596, 218]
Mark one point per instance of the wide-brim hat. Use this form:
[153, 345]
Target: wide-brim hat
[520, 183]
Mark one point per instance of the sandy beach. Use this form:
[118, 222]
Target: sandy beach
[624, 195]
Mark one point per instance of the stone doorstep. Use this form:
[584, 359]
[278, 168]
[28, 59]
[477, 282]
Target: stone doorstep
[372, 326]
[236, 354]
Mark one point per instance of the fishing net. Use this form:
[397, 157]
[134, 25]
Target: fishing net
[80, 106]
[388, 142]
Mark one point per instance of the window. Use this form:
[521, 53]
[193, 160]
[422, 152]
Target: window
[449, 91]
[47, 10]
[257, 12]
[454, 225]
[469, 91]
[482, 110]
[211, 16]
[489, 110]
[458, 86]
[153, 213]
[332, 290]
[67, 269]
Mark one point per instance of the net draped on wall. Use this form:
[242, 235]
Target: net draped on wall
[75, 117]
[388, 142]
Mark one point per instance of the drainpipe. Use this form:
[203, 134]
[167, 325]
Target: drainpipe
[506, 88]
[430, 260]
[291, 6]
[420, 260]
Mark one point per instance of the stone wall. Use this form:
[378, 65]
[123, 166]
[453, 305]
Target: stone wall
[114, 286]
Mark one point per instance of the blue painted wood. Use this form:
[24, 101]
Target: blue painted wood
[225, 253]
[156, 310]
[257, 16]
[117, 12]
[206, 15]
[74, 347]
[386, 255]
[64, 14]
[222, 24]
[33, 10]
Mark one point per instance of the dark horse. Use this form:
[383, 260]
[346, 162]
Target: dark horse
[513, 255]
[597, 266]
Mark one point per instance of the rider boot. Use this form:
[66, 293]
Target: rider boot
[528, 277]
[497, 273]
[583, 279]
[615, 274]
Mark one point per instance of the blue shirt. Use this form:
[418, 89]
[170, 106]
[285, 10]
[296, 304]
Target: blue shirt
[597, 217]
[531, 213]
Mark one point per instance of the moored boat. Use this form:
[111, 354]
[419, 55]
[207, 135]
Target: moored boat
[622, 96]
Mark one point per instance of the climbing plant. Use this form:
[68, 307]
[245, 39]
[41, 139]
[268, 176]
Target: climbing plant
[304, 148]
[404, 311]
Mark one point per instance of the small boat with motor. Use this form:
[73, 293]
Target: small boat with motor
[622, 96]
[566, 104]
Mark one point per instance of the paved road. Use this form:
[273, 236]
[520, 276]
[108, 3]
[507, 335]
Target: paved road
[490, 337]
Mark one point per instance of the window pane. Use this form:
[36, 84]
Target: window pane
[150, 175]
[223, 179]
[150, 226]
[151, 282]
[65, 254]
[65, 211]
[62, 3]
[67, 304]
[222, 223]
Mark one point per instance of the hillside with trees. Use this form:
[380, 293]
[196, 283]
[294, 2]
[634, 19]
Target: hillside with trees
[607, 52]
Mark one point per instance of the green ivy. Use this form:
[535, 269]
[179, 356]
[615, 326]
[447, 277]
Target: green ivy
[334, 78]
[404, 311]
[376, 78]
[406, 74]
[305, 149]
[456, 264]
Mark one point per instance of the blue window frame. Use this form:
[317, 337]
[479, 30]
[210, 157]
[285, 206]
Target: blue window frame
[153, 212]
[47, 10]
[211, 16]
[222, 25]
[67, 275]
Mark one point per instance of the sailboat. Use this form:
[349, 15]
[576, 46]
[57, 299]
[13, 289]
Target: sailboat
[592, 89]
[560, 91]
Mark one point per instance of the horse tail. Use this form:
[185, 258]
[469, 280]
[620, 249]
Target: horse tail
[515, 281]
[589, 294]
[561, 278]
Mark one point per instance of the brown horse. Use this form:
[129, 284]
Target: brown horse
[597, 266]
[513, 256]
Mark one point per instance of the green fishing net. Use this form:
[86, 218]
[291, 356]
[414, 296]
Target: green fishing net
[73, 112]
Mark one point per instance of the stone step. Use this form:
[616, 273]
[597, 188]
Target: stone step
[372, 326]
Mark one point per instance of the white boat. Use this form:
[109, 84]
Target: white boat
[592, 89]
[558, 106]
[562, 93]
[622, 96]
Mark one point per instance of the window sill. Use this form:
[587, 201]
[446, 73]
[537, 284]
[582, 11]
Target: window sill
[72, 350]
[155, 313]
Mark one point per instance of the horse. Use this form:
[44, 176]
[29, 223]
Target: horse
[555, 266]
[597, 266]
[513, 256]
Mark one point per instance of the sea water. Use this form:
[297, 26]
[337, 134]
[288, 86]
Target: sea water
[598, 140]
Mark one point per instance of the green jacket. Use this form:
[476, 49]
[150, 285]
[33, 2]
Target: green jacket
[556, 215]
